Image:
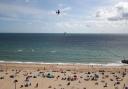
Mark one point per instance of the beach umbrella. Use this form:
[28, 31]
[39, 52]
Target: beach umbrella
[15, 81]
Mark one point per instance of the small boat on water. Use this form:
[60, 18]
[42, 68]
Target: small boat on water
[125, 61]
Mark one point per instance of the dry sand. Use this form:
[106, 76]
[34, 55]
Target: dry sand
[54, 76]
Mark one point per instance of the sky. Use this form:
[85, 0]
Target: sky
[77, 16]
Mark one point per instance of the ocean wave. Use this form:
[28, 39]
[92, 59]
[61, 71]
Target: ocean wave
[33, 50]
[19, 50]
[59, 63]
[53, 51]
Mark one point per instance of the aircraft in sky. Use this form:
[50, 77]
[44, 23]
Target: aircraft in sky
[58, 12]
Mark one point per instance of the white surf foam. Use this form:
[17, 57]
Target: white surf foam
[59, 63]
[20, 50]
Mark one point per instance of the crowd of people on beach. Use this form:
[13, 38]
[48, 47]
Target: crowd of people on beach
[71, 79]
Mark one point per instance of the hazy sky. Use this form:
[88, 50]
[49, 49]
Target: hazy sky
[77, 16]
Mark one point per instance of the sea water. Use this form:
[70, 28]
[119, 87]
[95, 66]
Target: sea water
[63, 48]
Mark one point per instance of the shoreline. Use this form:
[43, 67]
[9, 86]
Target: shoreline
[61, 66]
[59, 76]
[70, 63]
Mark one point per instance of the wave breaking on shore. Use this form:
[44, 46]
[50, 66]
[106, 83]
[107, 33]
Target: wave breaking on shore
[59, 63]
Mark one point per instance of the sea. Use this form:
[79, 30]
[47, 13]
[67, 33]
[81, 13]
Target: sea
[63, 48]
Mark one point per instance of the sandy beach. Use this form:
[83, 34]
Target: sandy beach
[59, 76]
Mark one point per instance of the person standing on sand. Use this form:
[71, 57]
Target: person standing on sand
[36, 85]
[124, 86]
